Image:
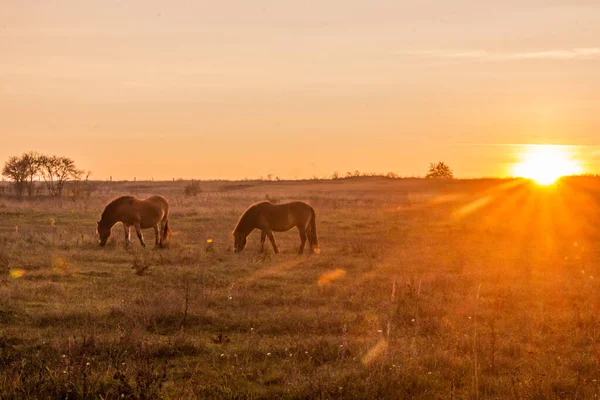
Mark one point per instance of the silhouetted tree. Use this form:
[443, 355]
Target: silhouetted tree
[32, 161]
[22, 171]
[56, 171]
[16, 169]
[439, 170]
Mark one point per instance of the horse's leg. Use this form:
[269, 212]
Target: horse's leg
[302, 231]
[138, 230]
[272, 240]
[127, 230]
[263, 237]
[310, 238]
[158, 239]
[161, 227]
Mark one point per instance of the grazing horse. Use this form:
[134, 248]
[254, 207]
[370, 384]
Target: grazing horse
[152, 212]
[271, 218]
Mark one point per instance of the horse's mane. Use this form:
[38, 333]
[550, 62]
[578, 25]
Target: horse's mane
[248, 214]
[110, 207]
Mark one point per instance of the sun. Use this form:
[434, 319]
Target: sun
[545, 164]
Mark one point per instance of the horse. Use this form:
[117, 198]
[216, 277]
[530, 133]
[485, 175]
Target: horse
[152, 212]
[271, 218]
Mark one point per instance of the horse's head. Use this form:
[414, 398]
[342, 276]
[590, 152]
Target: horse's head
[103, 232]
[239, 241]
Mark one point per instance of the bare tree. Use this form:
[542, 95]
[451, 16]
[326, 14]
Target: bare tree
[16, 170]
[439, 170]
[32, 163]
[56, 171]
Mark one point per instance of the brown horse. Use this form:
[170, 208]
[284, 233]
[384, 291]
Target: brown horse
[271, 218]
[152, 212]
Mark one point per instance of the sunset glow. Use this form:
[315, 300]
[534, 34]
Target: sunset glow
[545, 164]
[154, 90]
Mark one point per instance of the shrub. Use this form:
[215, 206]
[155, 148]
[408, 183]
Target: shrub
[192, 189]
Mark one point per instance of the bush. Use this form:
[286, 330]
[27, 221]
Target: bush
[83, 189]
[192, 188]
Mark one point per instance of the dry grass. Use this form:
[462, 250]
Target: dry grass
[464, 289]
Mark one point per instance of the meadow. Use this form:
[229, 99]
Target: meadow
[423, 289]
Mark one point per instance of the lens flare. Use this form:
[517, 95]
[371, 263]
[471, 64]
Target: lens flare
[545, 164]
[16, 273]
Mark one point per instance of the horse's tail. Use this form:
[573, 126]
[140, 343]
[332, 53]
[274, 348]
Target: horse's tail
[312, 233]
[166, 230]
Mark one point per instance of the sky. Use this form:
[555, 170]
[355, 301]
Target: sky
[241, 89]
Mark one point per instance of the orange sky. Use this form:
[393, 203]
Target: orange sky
[233, 89]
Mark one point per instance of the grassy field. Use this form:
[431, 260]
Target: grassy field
[423, 289]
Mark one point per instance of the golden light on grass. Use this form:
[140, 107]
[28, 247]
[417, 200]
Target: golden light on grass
[16, 273]
[545, 164]
[375, 352]
[329, 277]
[473, 206]
[60, 265]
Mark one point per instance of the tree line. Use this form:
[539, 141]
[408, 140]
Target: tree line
[436, 170]
[55, 171]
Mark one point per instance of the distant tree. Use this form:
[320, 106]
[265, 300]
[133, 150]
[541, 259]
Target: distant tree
[56, 171]
[15, 169]
[32, 163]
[22, 171]
[335, 175]
[391, 175]
[439, 170]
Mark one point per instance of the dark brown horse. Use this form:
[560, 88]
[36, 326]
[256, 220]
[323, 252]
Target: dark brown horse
[271, 218]
[152, 212]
